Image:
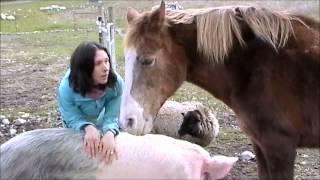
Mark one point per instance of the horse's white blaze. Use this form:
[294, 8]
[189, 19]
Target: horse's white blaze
[129, 106]
[130, 58]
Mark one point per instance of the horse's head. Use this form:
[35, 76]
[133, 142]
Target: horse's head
[154, 69]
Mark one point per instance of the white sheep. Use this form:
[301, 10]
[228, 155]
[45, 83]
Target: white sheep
[173, 115]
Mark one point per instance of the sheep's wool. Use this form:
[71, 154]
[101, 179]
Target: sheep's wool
[169, 120]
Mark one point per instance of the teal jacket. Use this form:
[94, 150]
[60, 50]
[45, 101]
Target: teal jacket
[78, 111]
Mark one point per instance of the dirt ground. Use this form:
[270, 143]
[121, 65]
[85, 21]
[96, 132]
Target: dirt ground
[30, 88]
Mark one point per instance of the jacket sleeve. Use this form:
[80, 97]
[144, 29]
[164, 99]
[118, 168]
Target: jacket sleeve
[71, 114]
[111, 116]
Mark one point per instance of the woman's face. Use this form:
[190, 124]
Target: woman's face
[101, 67]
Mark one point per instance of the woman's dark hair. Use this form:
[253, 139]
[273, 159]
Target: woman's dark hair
[82, 66]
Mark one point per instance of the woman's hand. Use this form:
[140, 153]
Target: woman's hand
[91, 140]
[108, 147]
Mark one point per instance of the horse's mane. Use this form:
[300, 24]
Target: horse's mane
[217, 26]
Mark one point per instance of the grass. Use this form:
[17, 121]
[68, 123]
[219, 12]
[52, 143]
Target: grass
[229, 138]
[62, 43]
[30, 18]
[39, 47]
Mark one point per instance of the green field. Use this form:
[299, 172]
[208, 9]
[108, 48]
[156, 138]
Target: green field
[30, 18]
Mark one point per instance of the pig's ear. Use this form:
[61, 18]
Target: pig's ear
[221, 165]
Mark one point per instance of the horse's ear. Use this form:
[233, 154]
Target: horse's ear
[158, 15]
[132, 14]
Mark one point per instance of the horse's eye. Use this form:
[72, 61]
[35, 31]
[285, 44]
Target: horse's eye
[147, 61]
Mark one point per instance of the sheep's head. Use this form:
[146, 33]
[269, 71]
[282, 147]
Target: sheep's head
[191, 124]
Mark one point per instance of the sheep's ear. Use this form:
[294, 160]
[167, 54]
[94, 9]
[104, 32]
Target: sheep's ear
[182, 114]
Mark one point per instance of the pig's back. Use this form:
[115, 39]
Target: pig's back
[153, 156]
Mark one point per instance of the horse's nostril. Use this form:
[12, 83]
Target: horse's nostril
[130, 122]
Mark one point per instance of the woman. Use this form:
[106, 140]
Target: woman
[89, 99]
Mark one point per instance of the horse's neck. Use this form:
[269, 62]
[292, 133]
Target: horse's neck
[213, 78]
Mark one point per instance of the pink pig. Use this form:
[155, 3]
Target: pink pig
[162, 157]
[59, 154]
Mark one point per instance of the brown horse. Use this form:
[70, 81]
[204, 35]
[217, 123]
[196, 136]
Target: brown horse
[263, 64]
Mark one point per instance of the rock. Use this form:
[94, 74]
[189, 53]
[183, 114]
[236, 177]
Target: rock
[13, 132]
[2, 116]
[20, 122]
[247, 155]
[5, 121]
[1, 135]
[303, 163]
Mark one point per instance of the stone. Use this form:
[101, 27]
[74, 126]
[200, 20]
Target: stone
[303, 163]
[20, 122]
[13, 132]
[5, 121]
[247, 155]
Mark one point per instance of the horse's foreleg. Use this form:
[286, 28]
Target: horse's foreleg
[279, 152]
[262, 163]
